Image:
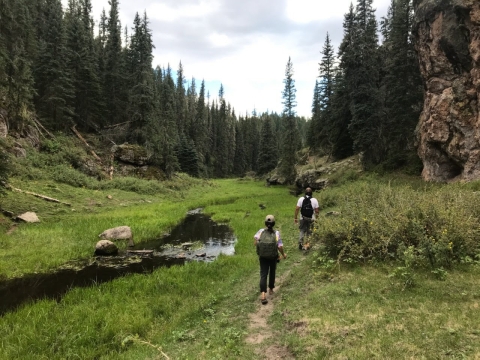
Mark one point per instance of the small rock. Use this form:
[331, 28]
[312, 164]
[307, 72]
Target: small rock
[201, 255]
[110, 197]
[332, 213]
[29, 217]
[187, 245]
[106, 247]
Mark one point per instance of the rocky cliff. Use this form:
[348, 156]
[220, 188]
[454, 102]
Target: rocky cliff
[447, 34]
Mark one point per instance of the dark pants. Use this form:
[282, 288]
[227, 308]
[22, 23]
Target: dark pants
[267, 268]
[305, 227]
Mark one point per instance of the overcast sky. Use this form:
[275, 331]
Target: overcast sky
[243, 44]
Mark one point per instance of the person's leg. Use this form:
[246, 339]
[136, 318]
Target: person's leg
[271, 275]
[308, 229]
[303, 229]
[264, 265]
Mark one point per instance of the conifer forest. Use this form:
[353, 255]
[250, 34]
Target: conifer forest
[60, 67]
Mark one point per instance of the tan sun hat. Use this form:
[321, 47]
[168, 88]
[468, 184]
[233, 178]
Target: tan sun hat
[270, 218]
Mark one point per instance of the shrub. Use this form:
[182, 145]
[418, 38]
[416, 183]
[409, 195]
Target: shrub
[381, 221]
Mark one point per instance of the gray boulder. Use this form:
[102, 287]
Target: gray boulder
[106, 247]
[118, 233]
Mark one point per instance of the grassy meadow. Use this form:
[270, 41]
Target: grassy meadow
[373, 285]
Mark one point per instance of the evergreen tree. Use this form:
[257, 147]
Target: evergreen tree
[240, 161]
[327, 75]
[364, 80]
[223, 164]
[191, 110]
[199, 132]
[187, 157]
[338, 121]
[141, 77]
[291, 139]
[100, 51]
[315, 124]
[16, 45]
[268, 155]
[54, 79]
[341, 143]
[180, 99]
[81, 61]
[169, 132]
[402, 86]
[114, 68]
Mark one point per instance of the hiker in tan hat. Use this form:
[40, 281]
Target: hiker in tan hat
[268, 243]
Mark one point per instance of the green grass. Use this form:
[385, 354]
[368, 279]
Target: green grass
[326, 309]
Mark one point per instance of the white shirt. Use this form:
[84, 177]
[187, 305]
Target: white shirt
[314, 205]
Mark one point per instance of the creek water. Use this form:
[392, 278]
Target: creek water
[197, 238]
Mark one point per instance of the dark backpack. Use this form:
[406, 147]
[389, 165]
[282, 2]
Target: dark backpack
[267, 245]
[307, 208]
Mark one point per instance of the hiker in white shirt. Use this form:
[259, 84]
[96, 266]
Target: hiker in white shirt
[308, 208]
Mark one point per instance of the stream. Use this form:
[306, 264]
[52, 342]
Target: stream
[197, 238]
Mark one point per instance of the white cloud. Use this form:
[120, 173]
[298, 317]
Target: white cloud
[219, 40]
[164, 12]
[244, 45]
[305, 11]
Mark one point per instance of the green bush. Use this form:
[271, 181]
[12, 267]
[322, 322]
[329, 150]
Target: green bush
[381, 221]
[68, 175]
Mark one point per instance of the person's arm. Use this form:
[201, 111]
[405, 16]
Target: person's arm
[317, 208]
[256, 237]
[296, 214]
[280, 244]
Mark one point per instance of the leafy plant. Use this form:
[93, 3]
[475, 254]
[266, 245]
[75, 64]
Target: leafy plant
[406, 273]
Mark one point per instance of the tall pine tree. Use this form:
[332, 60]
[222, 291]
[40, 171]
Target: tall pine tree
[291, 138]
[268, 155]
[53, 76]
[364, 81]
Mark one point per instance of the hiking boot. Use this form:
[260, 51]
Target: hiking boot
[300, 246]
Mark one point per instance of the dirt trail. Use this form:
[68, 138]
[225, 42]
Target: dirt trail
[262, 336]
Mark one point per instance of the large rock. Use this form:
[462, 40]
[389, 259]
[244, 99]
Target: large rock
[29, 217]
[447, 35]
[118, 233]
[313, 178]
[131, 154]
[106, 247]
[276, 179]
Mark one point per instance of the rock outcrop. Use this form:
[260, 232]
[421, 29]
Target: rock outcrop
[131, 154]
[447, 35]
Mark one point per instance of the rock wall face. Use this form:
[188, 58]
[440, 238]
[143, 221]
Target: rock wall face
[447, 34]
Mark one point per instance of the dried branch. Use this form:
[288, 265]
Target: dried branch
[85, 142]
[46, 198]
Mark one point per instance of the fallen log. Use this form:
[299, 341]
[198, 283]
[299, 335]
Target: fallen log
[86, 144]
[40, 196]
